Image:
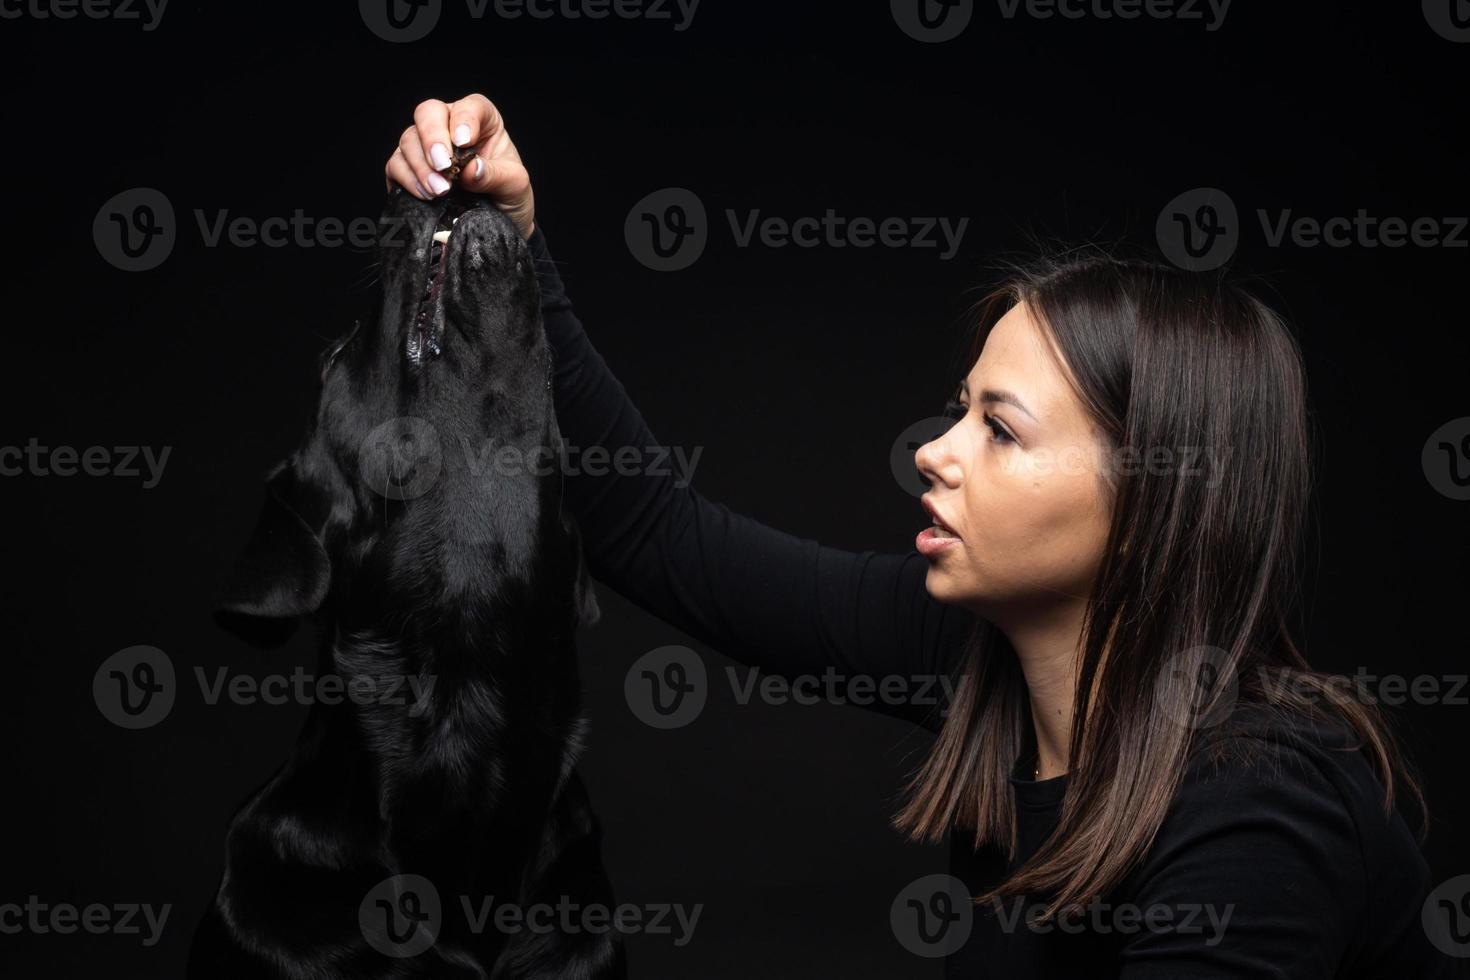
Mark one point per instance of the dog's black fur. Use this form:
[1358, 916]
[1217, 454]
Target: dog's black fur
[468, 577]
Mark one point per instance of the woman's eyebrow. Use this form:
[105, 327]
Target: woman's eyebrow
[998, 395]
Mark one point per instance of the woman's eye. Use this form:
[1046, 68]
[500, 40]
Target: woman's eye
[954, 409]
[1000, 434]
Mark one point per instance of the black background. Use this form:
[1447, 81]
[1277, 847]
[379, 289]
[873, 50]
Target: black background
[794, 369]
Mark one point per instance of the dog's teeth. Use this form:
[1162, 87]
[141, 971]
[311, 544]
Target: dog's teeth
[442, 237]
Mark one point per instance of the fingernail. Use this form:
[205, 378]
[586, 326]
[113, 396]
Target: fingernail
[422, 192]
[461, 134]
[438, 183]
[479, 168]
[439, 154]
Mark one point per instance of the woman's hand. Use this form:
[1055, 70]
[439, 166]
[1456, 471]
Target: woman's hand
[429, 145]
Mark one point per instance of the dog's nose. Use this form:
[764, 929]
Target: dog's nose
[486, 240]
[486, 224]
[472, 219]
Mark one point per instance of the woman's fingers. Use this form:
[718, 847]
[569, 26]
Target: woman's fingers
[478, 121]
[442, 128]
[398, 170]
[431, 120]
[439, 133]
[473, 120]
[502, 178]
[505, 181]
[414, 153]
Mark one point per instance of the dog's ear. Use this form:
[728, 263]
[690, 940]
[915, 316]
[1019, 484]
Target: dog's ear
[282, 574]
[588, 612]
[584, 595]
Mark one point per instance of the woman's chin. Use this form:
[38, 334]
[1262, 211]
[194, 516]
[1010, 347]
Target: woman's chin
[945, 586]
[942, 584]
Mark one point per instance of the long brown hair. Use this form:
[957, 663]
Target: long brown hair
[1196, 582]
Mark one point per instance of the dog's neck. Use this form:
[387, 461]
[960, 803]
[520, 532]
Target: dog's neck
[429, 744]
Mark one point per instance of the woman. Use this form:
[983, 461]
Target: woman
[1139, 774]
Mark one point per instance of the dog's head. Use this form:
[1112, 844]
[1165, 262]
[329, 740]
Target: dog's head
[429, 471]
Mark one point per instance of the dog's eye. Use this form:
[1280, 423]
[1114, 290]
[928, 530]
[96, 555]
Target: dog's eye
[324, 362]
[329, 356]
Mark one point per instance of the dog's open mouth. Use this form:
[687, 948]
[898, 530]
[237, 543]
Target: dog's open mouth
[427, 332]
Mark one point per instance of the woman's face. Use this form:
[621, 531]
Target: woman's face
[1016, 483]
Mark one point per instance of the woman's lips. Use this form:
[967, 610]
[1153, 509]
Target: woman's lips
[934, 541]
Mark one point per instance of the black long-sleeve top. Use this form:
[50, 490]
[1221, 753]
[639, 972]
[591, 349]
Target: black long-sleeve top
[1285, 867]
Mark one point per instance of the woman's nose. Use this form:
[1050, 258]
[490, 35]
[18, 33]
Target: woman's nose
[935, 463]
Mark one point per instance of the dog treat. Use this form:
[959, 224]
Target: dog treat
[462, 158]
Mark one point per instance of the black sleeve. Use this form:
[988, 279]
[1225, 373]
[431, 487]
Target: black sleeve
[768, 599]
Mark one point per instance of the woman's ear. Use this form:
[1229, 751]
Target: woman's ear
[282, 574]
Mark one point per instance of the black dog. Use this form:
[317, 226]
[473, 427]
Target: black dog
[420, 523]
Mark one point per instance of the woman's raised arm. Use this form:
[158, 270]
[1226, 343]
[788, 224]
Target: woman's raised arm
[767, 598]
[858, 626]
